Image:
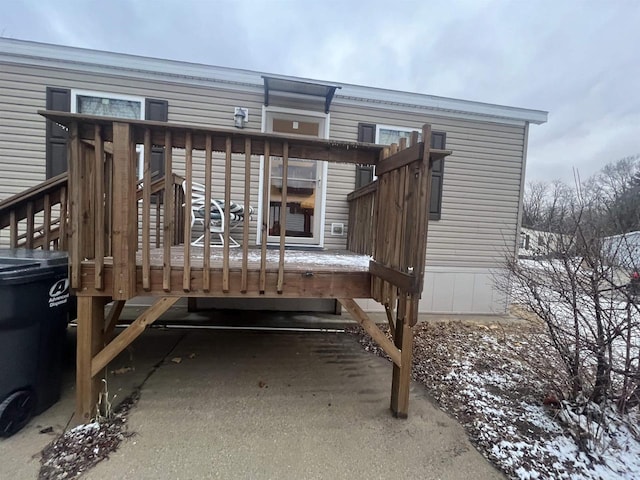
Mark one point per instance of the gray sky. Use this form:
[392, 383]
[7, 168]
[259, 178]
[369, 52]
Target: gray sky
[579, 60]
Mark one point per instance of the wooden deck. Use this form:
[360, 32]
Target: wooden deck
[128, 236]
[307, 274]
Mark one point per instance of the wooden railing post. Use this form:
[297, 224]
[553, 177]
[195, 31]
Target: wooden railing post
[125, 226]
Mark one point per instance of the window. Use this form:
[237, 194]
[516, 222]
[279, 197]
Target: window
[386, 135]
[111, 105]
[98, 103]
[389, 135]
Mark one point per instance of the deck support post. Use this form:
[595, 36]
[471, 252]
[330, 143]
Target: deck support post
[90, 340]
[401, 380]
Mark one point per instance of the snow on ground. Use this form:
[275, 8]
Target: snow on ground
[495, 380]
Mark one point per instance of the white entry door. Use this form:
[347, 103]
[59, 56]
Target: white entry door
[305, 183]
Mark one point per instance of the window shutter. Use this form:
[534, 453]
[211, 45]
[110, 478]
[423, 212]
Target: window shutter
[438, 141]
[364, 173]
[56, 136]
[157, 110]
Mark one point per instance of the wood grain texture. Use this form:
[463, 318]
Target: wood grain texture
[124, 238]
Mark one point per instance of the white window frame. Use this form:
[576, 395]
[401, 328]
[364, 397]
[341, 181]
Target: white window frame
[114, 96]
[390, 127]
[298, 113]
[396, 128]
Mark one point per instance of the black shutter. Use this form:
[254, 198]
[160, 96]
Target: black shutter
[438, 141]
[157, 110]
[56, 140]
[364, 173]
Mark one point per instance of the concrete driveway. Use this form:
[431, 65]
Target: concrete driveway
[262, 405]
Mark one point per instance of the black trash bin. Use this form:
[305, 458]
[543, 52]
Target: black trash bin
[34, 297]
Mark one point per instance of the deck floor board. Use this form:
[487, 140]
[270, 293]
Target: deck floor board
[337, 261]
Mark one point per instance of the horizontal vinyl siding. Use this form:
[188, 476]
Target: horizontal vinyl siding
[342, 180]
[481, 179]
[481, 183]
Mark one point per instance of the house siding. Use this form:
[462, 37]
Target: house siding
[482, 178]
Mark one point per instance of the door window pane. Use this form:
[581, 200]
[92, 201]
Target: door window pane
[302, 183]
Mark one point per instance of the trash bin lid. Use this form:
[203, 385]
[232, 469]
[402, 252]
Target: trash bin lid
[43, 257]
[23, 266]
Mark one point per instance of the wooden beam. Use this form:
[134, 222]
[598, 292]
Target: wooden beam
[426, 169]
[264, 231]
[75, 204]
[372, 329]
[90, 340]
[98, 202]
[133, 331]
[13, 229]
[64, 209]
[46, 224]
[315, 149]
[362, 191]
[208, 160]
[227, 216]
[146, 211]
[392, 325]
[403, 281]
[296, 284]
[246, 222]
[169, 212]
[112, 318]
[400, 159]
[283, 215]
[188, 160]
[401, 380]
[125, 213]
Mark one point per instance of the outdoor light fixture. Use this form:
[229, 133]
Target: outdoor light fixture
[240, 117]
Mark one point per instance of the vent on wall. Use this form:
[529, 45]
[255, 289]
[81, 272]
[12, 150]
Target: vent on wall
[337, 229]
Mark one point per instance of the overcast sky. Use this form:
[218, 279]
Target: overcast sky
[579, 60]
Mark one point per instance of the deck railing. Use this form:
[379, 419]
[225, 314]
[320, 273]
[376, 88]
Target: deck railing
[388, 219]
[362, 220]
[37, 217]
[111, 221]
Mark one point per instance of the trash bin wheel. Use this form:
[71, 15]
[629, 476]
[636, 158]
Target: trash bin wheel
[15, 412]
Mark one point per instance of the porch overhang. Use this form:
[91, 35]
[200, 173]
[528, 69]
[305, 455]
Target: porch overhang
[299, 88]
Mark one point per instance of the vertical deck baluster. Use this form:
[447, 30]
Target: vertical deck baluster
[75, 203]
[283, 214]
[158, 228]
[186, 273]
[265, 216]
[399, 221]
[13, 229]
[425, 169]
[169, 213]
[108, 211]
[246, 220]
[46, 224]
[146, 212]
[206, 273]
[30, 225]
[391, 246]
[227, 215]
[125, 212]
[99, 233]
[62, 237]
[375, 280]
